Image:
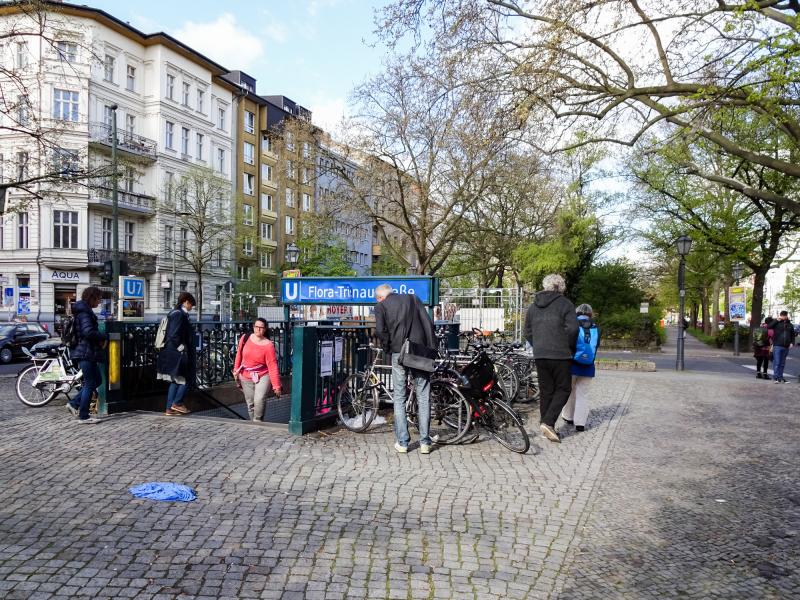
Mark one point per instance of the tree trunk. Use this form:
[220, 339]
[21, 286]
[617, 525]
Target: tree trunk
[199, 295]
[704, 308]
[727, 304]
[715, 306]
[758, 297]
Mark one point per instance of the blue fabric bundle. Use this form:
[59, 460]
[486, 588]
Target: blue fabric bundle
[164, 491]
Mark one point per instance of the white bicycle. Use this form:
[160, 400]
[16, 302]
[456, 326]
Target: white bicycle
[52, 373]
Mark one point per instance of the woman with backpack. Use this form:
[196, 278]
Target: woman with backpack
[762, 341]
[576, 411]
[177, 360]
[89, 349]
[256, 369]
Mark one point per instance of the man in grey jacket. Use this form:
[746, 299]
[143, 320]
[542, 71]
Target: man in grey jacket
[552, 330]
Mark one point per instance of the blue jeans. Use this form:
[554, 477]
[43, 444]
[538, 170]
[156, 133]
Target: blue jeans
[91, 381]
[175, 394]
[422, 385]
[779, 354]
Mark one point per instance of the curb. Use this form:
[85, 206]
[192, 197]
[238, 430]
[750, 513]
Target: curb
[626, 365]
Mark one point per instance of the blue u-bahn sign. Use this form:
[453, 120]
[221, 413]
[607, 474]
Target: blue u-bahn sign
[354, 290]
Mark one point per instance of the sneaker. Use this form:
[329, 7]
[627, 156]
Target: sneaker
[580, 428]
[549, 433]
[400, 449]
[88, 421]
[776, 381]
[567, 421]
[424, 448]
[758, 375]
[72, 410]
[171, 412]
[180, 408]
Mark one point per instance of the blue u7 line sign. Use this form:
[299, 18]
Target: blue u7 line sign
[132, 288]
[352, 290]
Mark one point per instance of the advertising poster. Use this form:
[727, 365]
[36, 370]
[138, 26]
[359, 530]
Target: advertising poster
[326, 359]
[737, 297]
[339, 346]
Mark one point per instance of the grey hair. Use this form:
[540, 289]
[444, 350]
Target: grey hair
[384, 288]
[554, 283]
[584, 309]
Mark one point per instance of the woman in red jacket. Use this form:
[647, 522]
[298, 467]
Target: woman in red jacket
[256, 369]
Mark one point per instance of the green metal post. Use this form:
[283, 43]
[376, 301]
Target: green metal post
[304, 380]
[102, 391]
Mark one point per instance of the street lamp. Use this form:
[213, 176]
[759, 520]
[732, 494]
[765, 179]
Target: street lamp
[114, 207]
[292, 254]
[683, 245]
[737, 275]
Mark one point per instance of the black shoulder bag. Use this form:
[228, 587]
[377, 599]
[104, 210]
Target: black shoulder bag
[414, 355]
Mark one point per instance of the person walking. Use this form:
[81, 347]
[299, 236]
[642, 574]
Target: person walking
[256, 369]
[782, 340]
[399, 317]
[89, 351]
[762, 341]
[576, 410]
[551, 328]
[176, 362]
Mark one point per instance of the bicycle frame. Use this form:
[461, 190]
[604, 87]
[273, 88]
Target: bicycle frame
[65, 371]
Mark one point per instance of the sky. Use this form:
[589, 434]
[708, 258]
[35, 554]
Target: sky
[312, 51]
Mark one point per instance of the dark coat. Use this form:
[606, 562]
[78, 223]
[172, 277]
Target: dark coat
[551, 327]
[392, 318]
[171, 360]
[90, 338]
[784, 333]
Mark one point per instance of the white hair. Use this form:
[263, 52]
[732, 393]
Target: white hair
[554, 283]
[383, 289]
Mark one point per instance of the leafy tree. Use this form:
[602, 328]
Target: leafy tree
[791, 291]
[610, 288]
[321, 253]
[389, 264]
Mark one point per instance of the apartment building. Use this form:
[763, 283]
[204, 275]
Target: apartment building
[174, 113]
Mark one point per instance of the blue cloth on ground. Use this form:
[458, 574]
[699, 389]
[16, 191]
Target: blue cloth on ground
[164, 491]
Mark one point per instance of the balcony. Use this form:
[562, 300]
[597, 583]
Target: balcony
[268, 216]
[129, 203]
[133, 145]
[138, 262]
[376, 249]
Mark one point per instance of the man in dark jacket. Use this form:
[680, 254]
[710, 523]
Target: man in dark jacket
[397, 317]
[89, 352]
[176, 362]
[782, 340]
[551, 328]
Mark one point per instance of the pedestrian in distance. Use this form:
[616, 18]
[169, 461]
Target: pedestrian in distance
[177, 361]
[401, 317]
[551, 328]
[783, 338]
[256, 369]
[89, 351]
[762, 348]
[576, 410]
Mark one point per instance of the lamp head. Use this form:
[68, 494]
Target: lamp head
[683, 245]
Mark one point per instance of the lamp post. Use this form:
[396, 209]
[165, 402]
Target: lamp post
[737, 275]
[177, 214]
[683, 245]
[114, 208]
[292, 256]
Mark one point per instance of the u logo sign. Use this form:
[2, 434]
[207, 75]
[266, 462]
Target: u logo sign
[291, 290]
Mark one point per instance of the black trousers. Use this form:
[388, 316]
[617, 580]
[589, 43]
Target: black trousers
[762, 360]
[555, 385]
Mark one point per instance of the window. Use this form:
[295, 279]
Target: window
[266, 203]
[199, 138]
[130, 124]
[108, 117]
[128, 178]
[22, 230]
[249, 153]
[169, 184]
[247, 214]
[220, 160]
[218, 259]
[306, 176]
[185, 141]
[65, 162]
[244, 272]
[266, 260]
[289, 141]
[200, 99]
[169, 239]
[108, 68]
[65, 229]
[306, 202]
[168, 140]
[289, 225]
[185, 96]
[184, 241]
[65, 105]
[67, 51]
[248, 184]
[129, 236]
[22, 166]
[266, 143]
[267, 232]
[249, 122]
[247, 246]
[221, 118]
[22, 55]
[171, 86]
[107, 231]
[23, 113]
[130, 81]
[266, 173]
[305, 150]
[290, 198]
[290, 173]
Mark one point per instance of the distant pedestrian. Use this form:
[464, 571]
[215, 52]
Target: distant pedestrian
[399, 317]
[551, 328]
[256, 369]
[762, 348]
[89, 351]
[782, 340]
[177, 360]
[576, 410]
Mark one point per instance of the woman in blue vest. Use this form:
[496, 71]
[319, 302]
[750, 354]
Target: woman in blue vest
[576, 411]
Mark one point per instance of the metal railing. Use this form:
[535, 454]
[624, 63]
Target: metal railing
[138, 262]
[126, 141]
[131, 200]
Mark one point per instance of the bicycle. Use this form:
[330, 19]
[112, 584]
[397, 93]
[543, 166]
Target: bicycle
[52, 373]
[358, 398]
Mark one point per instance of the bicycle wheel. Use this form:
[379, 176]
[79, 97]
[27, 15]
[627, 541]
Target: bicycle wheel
[35, 396]
[450, 413]
[506, 427]
[528, 381]
[357, 403]
[507, 378]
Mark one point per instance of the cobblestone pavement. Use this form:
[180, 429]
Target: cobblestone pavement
[343, 516]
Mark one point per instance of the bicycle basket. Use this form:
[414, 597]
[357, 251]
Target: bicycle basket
[479, 373]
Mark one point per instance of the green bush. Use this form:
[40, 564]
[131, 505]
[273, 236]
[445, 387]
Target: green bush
[633, 326]
[727, 333]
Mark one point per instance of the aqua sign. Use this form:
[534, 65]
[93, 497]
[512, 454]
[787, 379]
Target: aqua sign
[354, 290]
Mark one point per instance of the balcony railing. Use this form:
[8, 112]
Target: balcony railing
[126, 141]
[138, 262]
[130, 200]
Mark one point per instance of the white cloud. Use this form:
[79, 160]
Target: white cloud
[314, 6]
[224, 41]
[328, 113]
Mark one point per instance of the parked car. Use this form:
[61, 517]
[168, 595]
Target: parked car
[16, 336]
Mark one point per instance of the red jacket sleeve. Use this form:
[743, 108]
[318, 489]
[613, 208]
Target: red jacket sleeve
[272, 367]
[238, 362]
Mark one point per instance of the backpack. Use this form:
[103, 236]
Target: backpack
[588, 337]
[161, 333]
[69, 333]
[760, 337]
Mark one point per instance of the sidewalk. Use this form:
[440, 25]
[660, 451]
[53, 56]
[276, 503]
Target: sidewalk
[694, 348]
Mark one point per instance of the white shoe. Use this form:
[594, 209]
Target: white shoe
[400, 449]
[424, 449]
[88, 421]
